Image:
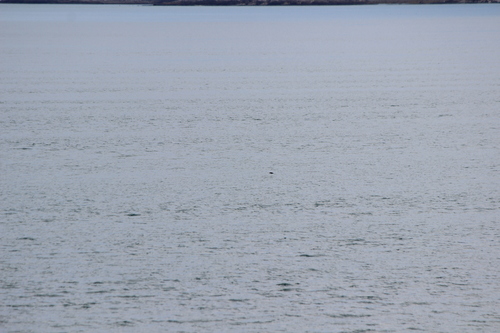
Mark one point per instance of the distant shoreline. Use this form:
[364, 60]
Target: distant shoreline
[250, 2]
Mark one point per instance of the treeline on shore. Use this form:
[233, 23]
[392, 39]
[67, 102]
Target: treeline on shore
[250, 2]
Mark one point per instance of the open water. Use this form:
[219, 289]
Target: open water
[229, 169]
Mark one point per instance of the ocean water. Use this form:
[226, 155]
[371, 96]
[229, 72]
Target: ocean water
[228, 169]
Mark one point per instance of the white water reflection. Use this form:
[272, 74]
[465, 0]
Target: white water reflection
[136, 160]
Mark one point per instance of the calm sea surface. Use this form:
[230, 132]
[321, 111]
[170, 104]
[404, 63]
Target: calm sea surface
[229, 169]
